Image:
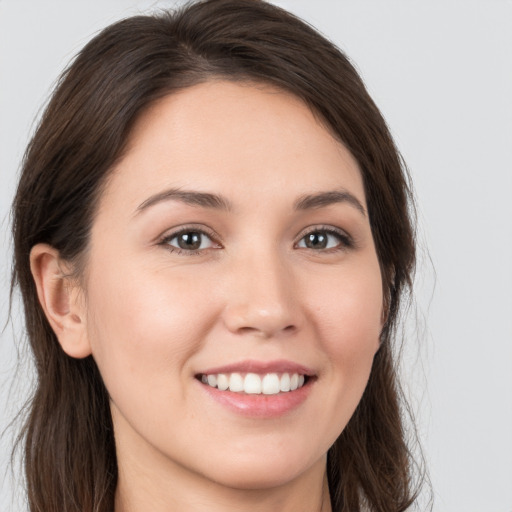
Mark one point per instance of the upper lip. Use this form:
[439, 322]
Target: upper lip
[261, 367]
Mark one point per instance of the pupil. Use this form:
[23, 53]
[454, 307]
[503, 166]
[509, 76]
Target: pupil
[190, 240]
[316, 241]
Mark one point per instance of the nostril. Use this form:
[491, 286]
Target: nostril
[251, 318]
[247, 329]
[267, 332]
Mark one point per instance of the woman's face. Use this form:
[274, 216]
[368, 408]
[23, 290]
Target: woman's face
[232, 239]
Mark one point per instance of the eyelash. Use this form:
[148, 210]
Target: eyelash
[345, 241]
[165, 241]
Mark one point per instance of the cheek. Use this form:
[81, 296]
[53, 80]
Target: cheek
[352, 311]
[142, 329]
[349, 319]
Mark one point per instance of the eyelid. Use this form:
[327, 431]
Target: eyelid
[346, 240]
[197, 228]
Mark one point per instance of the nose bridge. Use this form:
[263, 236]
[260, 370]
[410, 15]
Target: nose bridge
[261, 297]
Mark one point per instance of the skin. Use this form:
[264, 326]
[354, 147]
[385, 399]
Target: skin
[153, 316]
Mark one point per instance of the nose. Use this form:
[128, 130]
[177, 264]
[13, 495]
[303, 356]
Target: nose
[261, 299]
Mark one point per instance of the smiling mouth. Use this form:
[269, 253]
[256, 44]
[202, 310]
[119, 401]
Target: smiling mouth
[254, 383]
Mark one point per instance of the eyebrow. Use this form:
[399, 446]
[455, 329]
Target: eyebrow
[215, 201]
[202, 199]
[322, 199]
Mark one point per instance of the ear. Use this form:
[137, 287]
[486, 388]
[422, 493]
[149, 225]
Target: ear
[60, 299]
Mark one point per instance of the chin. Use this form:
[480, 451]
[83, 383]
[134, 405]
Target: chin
[251, 478]
[262, 471]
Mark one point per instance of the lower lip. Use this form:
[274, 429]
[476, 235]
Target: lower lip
[260, 406]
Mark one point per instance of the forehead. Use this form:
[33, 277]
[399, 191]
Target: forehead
[236, 137]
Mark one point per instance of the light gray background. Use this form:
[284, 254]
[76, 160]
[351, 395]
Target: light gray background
[441, 72]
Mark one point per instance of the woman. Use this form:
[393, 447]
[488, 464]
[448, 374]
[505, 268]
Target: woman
[212, 240]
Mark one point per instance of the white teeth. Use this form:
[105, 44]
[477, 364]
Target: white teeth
[270, 384]
[285, 382]
[236, 382]
[254, 384]
[222, 382]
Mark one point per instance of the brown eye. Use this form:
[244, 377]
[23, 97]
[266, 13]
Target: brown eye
[316, 241]
[190, 241]
[322, 239]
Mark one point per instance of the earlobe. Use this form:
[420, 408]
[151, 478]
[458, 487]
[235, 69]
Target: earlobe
[60, 299]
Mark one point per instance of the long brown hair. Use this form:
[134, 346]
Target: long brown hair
[70, 457]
